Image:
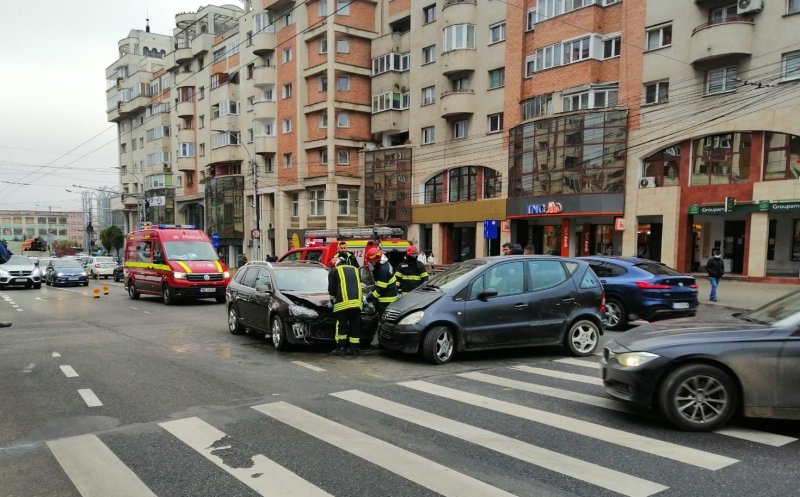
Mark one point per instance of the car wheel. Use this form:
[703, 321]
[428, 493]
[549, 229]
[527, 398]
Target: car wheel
[698, 397]
[616, 315]
[439, 345]
[132, 293]
[583, 338]
[278, 334]
[234, 326]
[166, 295]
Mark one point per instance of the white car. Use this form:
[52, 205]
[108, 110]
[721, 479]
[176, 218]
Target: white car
[100, 267]
[19, 270]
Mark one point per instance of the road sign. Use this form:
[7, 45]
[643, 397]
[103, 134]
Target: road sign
[491, 229]
[158, 201]
[215, 239]
[255, 234]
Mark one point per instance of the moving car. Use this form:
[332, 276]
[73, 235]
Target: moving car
[496, 302]
[66, 271]
[100, 266]
[18, 270]
[288, 302]
[699, 375]
[643, 289]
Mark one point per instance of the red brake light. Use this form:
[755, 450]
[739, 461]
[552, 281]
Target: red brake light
[603, 302]
[651, 286]
[693, 286]
[96, 264]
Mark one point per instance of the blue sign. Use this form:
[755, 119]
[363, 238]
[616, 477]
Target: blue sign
[215, 239]
[491, 229]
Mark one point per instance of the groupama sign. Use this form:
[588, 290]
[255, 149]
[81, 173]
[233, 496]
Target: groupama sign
[546, 208]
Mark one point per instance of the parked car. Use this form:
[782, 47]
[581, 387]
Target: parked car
[496, 302]
[65, 271]
[100, 267]
[699, 375]
[18, 270]
[287, 301]
[643, 289]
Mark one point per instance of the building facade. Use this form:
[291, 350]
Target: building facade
[50, 226]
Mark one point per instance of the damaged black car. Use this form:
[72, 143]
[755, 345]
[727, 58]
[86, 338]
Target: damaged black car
[287, 302]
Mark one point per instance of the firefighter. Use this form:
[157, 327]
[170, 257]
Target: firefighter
[346, 254]
[385, 281]
[410, 272]
[344, 288]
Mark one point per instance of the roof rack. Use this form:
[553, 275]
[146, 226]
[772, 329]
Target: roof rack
[365, 232]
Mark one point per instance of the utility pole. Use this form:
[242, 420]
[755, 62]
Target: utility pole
[49, 234]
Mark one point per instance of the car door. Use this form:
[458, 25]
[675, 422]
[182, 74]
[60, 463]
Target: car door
[259, 300]
[552, 299]
[789, 373]
[243, 297]
[502, 318]
[147, 277]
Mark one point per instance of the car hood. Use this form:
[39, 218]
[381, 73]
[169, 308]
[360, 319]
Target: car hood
[418, 299]
[200, 267]
[17, 267]
[656, 336]
[69, 270]
[316, 299]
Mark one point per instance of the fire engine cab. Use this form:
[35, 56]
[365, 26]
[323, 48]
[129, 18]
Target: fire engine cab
[173, 261]
[318, 249]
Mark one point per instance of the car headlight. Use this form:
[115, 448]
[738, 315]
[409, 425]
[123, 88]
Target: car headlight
[4, 274]
[83, 273]
[298, 311]
[635, 359]
[412, 318]
[36, 272]
[178, 275]
[226, 274]
[59, 274]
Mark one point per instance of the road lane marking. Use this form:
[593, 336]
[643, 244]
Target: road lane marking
[56, 354]
[579, 362]
[413, 467]
[68, 371]
[591, 380]
[89, 397]
[265, 476]
[622, 438]
[309, 366]
[146, 312]
[29, 368]
[95, 470]
[19, 310]
[594, 474]
[761, 437]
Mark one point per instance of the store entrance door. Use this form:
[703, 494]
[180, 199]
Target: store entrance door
[733, 248]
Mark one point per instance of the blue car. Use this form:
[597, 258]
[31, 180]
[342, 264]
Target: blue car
[65, 272]
[643, 289]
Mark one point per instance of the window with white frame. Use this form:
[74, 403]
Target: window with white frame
[186, 150]
[720, 80]
[390, 101]
[202, 150]
[343, 82]
[428, 14]
[323, 120]
[428, 135]
[268, 93]
[323, 156]
[223, 139]
[287, 55]
[539, 105]
[262, 23]
[287, 161]
[251, 101]
[576, 50]
[323, 45]
[343, 45]
[316, 202]
[547, 57]
[611, 47]
[323, 8]
[495, 122]
[287, 125]
[497, 78]
[656, 93]
[553, 8]
[249, 135]
[460, 129]
[428, 95]
[497, 33]
[392, 61]
[659, 36]
[228, 107]
[794, 6]
[265, 127]
[343, 7]
[791, 65]
[343, 202]
[594, 98]
[429, 54]
[287, 90]
[295, 204]
[530, 20]
[157, 133]
[530, 66]
[459, 37]
[323, 83]
[343, 120]
[287, 19]
[343, 157]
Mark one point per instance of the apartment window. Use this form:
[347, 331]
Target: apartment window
[552, 8]
[495, 122]
[428, 135]
[344, 157]
[794, 6]
[497, 78]
[428, 95]
[343, 83]
[287, 90]
[547, 57]
[460, 129]
[251, 101]
[463, 183]
[791, 65]
[317, 202]
[658, 37]
[530, 67]
[201, 93]
[287, 55]
[721, 80]
[429, 54]
[343, 120]
[429, 14]
[611, 47]
[323, 156]
[460, 84]
[459, 37]
[323, 120]
[287, 161]
[722, 14]
[287, 126]
[390, 101]
[434, 189]
[595, 98]
[323, 8]
[186, 150]
[323, 45]
[576, 50]
[343, 7]
[343, 201]
[343, 45]
[262, 22]
[250, 69]
[390, 62]
[269, 163]
[497, 33]
[202, 150]
[530, 20]
[323, 83]
[656, 93]
[250, 135]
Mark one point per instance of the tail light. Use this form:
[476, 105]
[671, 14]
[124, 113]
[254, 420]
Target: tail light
[96, 264]
[693, 286]
[603, 302]
[644, 285]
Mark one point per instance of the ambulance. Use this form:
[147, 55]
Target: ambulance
[173, 262]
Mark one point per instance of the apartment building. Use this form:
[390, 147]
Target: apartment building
[19, 225]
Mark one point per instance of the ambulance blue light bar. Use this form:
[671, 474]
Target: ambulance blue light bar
[148, 226]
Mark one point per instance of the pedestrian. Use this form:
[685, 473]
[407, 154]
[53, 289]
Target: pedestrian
[346, 300]
[715, 268]
[385, 280]
[529, 250]
[506, 248]
[345, 254]
[516, 249]
[5, 255]
[431, 259]
[410, 273]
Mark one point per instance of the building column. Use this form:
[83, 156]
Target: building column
[413, 234]
[436, 243]
[480, 241]
[758, 240]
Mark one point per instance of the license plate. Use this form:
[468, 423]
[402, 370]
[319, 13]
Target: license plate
[21, 280]
[680, 305]
[212, 290]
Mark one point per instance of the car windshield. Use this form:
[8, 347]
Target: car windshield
[312, 279]
[658, 269]
[782, 312]
[190, 251]
[454, 276]
[67, 263]
[19, 260]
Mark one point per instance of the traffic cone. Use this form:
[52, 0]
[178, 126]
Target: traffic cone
[96, 293]
[105, 289]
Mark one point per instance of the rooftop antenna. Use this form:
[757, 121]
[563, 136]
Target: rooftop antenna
[147, 27]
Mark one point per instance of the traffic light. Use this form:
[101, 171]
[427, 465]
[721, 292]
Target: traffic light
[730, 204]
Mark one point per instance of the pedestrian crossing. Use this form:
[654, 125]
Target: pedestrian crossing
[522, 430]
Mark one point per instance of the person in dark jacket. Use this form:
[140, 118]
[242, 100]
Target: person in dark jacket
[715, 268]
[345, 254]
[5, 255]
[385, 280]
[410, 273]
[344, 288]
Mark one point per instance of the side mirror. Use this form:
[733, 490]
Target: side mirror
[264, 288]
[489, 292]
[158, 260]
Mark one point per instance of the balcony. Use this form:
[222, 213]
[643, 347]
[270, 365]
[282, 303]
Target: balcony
[265, 108]
[730, 39]
[457, 103]
[186, 135]
[183, 55]
[185, 108]
[130, 199]
[202, 44]
[265, 75]
[460, 11]
[390, 121]
[266, 144]
[264, 42]
[186, 163]
[458, 61]
[226, 153]
[135, 105]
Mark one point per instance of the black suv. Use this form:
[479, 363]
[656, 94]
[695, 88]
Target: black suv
[498, 302]
[288, 302]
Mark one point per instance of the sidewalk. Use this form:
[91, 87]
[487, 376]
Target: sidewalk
[738, 294]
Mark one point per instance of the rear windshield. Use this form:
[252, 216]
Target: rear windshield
[657, 269]
[104, 259]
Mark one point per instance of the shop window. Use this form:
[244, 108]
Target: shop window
[721, 159]
[782, 156]
[796, 241]
[773, 232]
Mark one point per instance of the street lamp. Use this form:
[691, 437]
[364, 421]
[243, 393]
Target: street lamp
[253, 172]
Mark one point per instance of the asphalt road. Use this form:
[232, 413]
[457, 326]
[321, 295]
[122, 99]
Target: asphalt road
[109, 396]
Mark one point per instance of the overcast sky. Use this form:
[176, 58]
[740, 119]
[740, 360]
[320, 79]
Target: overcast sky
[53, 56]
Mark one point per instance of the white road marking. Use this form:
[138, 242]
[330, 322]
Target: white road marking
[622, 438]
[56, 354]
[265, 476]
[548, 459]
[89, 397]
[413, 467]
[95, 470]
[146, 312]
[19, 310]
[68, 371]
[761, 437]
[591, 380]
[135, 308]
[29, 367]
[579, 362]
[309, 366]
